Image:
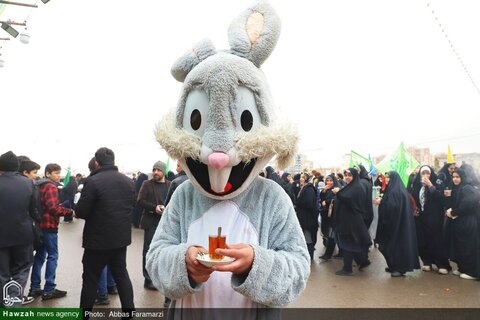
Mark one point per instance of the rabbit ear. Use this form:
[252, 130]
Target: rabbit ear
[189, 60]
[254, 34]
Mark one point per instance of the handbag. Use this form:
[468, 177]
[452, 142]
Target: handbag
[37, 236]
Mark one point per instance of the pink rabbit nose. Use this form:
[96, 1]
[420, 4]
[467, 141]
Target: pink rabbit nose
[218, 160]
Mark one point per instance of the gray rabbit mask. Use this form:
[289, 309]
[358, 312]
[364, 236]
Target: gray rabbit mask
[224, 130]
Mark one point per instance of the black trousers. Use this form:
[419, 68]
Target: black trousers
[147, 239]
[330, 247]
[93, 263]
[349, 256]
[15, 264]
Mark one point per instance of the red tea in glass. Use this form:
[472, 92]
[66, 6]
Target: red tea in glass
[215, 242]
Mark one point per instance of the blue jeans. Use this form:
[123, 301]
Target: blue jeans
[48, 251]
[106, 281]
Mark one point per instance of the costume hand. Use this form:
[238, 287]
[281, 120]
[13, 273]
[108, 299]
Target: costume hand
[196, 271]
[242, 252]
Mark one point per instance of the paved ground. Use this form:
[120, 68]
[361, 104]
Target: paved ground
[370, 288]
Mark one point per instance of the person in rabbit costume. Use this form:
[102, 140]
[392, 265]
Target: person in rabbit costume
[224, 133]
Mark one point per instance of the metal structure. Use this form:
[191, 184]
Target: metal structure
[21, 3]
[7, 25]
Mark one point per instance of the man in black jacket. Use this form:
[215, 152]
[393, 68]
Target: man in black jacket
[180, 178]
[106, 205]
[151, 198]
[17, 204]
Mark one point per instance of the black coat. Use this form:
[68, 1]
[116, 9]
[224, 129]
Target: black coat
[444, 180]
[148, 199]
[181, 178]
[17, 204]
[306, 208]
[68, 191]
[328, 196]
[367, 186]
[465, 229]
[106, 205]
[348, 215]
[290, 190]
[396, 234]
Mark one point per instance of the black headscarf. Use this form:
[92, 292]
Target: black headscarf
[272, 175]
[444, 178]
[456, 190]
[334, 179]
[395, 190]
[364, 173]
[418, 178]
[417, 183]
[285, 177]
[471, 176]
[350, 188]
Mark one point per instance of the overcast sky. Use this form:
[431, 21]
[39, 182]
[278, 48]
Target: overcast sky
[361, 75]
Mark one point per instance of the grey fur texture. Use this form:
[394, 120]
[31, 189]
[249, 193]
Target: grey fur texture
[261, 49]
[189, 60]
[240, 43]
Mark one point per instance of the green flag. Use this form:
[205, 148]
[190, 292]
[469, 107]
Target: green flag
[401, 162]
[356, 159]
[66, 180]
[167, 167]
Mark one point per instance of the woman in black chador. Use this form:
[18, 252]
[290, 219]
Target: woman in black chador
[396, 228]
[326, 210]
[351, 233]
[429, 220]
[307, 213]
[463, 218]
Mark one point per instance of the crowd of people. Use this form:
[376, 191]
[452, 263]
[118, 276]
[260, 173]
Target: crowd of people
[435, 219]
[432, 218]
[108, 201]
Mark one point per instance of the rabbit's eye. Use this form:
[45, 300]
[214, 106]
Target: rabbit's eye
[196, 112]
[247, 114]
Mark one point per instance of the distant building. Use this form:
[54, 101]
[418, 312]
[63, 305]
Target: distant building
[422, 155]
[327, 171]
[300, 162]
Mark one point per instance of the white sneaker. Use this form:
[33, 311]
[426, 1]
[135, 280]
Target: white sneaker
[456, 272]
[426, 268]
[443, 271]
[467, 277]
